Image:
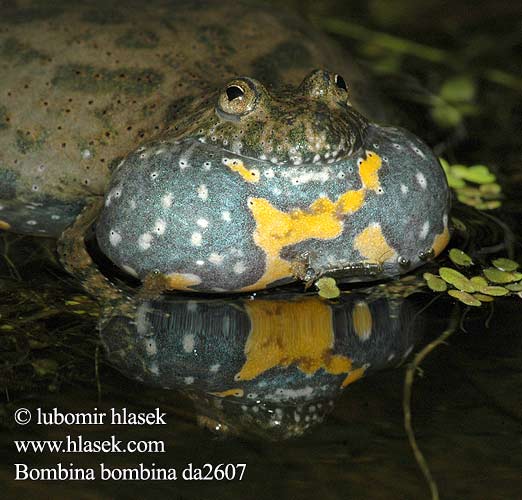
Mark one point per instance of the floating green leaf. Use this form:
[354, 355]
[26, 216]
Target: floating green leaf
[458, 280]
[327, 288]
[496, 291]
[497, 276]
[488, 205]
[479, 174]
[483, 298]
[492, 188]
[479, 282]
[465, 297]
[515, 287]
[505, 264]
[435, 283]
[460, 258]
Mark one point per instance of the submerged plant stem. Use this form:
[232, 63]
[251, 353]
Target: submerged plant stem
[406, 401]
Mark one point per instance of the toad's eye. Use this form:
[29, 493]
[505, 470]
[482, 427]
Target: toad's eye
[339, 81]
[234, 92]
[238, 98]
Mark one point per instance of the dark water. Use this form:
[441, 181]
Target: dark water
[466, 407]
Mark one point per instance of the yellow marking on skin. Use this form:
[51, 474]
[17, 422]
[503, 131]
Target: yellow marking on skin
[5, 225]
[353, 376]
[181, 281]
[322, 220]
[362, 320]
[368, 170]
[285, 333]
[239, 167]
[351, 201]
[372, 245]
[237, 393]
[440, 241]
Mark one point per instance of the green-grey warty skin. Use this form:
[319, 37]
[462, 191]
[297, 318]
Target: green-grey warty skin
[279, 174]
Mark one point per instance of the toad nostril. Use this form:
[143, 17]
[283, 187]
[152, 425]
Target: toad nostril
[234, 92]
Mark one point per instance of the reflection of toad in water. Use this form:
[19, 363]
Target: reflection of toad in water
[269, 366]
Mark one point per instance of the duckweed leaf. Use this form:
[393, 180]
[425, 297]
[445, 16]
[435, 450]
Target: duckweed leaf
[505, 264]
[496, 291]
[459, 171]
[458, 280]
[491, 188]
[327, 288]
[479, 174]
[497, 276]
[435, 283]
[483, 298]
[465, 297]
[479, 282]
[515, 287]
[488, 205]
[460, 258]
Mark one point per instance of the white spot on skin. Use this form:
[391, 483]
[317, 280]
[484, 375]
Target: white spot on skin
[299, 177]
[31, 222]
[189, 380]
[215, 258]
[203, 192]
[269, 174]
[239, 267]
[160, 226]
[86, 154]
[226, 216]
[200, 262]
[192, 306]
[215, 368]
[114, 237]
[276, 191]
[195, 239]
[202, 223]
[404, 189]
[113, 193]
[151, 347]
[424, 231]
[144, 241]
[421, 180]
[55, 217]
[418, 151]
[166, 201]
[188, 342]
[207, 165]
